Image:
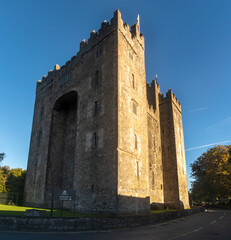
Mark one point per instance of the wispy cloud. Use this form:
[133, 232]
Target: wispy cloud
[221, 123]
[207, 145]
[197, 110]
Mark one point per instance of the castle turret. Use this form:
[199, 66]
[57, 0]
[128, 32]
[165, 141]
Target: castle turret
[156, 184]
[173, 152]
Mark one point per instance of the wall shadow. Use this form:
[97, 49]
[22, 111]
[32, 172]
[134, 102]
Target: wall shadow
[62, 143]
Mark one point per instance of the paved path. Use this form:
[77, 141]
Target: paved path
[209, 225]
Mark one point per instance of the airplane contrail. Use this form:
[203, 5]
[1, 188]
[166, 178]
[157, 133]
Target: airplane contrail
[207, 145]
[197, 110]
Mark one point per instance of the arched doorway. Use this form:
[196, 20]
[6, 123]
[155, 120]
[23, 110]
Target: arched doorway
[62, 144]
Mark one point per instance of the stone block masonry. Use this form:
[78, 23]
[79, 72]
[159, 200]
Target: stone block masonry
[100, 129]
[39, 224]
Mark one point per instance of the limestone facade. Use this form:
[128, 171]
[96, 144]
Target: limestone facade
[100, 129]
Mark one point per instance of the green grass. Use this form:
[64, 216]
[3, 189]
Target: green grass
[164, 210]
[20, 211]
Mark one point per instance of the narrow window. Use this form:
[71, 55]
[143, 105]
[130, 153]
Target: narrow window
[133, 81]
[39, 136]
[35, 169]
[131, 56]
[181, 152]
[94, 140]
[137, 169]
[136, 145]
[96, 78]
[98, 53]
[154, 143]
[36, 161]
[161, 186]
[96, 108]
[42, 112]
[35, 177]
[134, 107]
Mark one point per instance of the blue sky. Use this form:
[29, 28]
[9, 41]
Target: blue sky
[187, 45]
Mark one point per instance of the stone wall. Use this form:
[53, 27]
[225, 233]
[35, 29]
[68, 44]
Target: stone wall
[89, 145]
[14, 223]
[99, 129]
[174, 165]
[156, 184]
[133, 180]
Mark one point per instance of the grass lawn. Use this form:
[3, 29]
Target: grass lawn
[164, 210]
[20, 211]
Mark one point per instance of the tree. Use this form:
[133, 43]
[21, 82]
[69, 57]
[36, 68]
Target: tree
[229, 156]
[2, 156]
[16, 180]
[212, 174]
[4, 171]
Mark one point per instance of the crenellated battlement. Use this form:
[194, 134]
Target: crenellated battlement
[170, 96]
[85, 46]
[154, 84]
[94, 110]
[153, 90]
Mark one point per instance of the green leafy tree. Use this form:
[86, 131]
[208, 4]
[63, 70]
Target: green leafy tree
[4, 171]
[2, 156]
[16, 180]
[212, 174]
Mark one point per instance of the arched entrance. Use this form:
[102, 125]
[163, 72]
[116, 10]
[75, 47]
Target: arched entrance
[62, 143]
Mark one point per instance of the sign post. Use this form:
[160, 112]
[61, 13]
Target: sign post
[62, 195]
[52, 202]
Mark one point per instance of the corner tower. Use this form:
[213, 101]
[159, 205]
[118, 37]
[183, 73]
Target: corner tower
[173, 152]
[133, 180]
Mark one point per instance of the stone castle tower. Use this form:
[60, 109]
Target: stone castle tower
[100, 129]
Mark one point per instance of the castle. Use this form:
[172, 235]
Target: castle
[100, 129]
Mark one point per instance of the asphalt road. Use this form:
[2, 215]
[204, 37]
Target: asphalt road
[215, 224]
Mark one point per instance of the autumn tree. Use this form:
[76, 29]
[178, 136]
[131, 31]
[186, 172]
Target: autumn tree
[212, 174]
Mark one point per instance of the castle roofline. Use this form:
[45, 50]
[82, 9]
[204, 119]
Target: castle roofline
[170, 96]
[86, 45]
